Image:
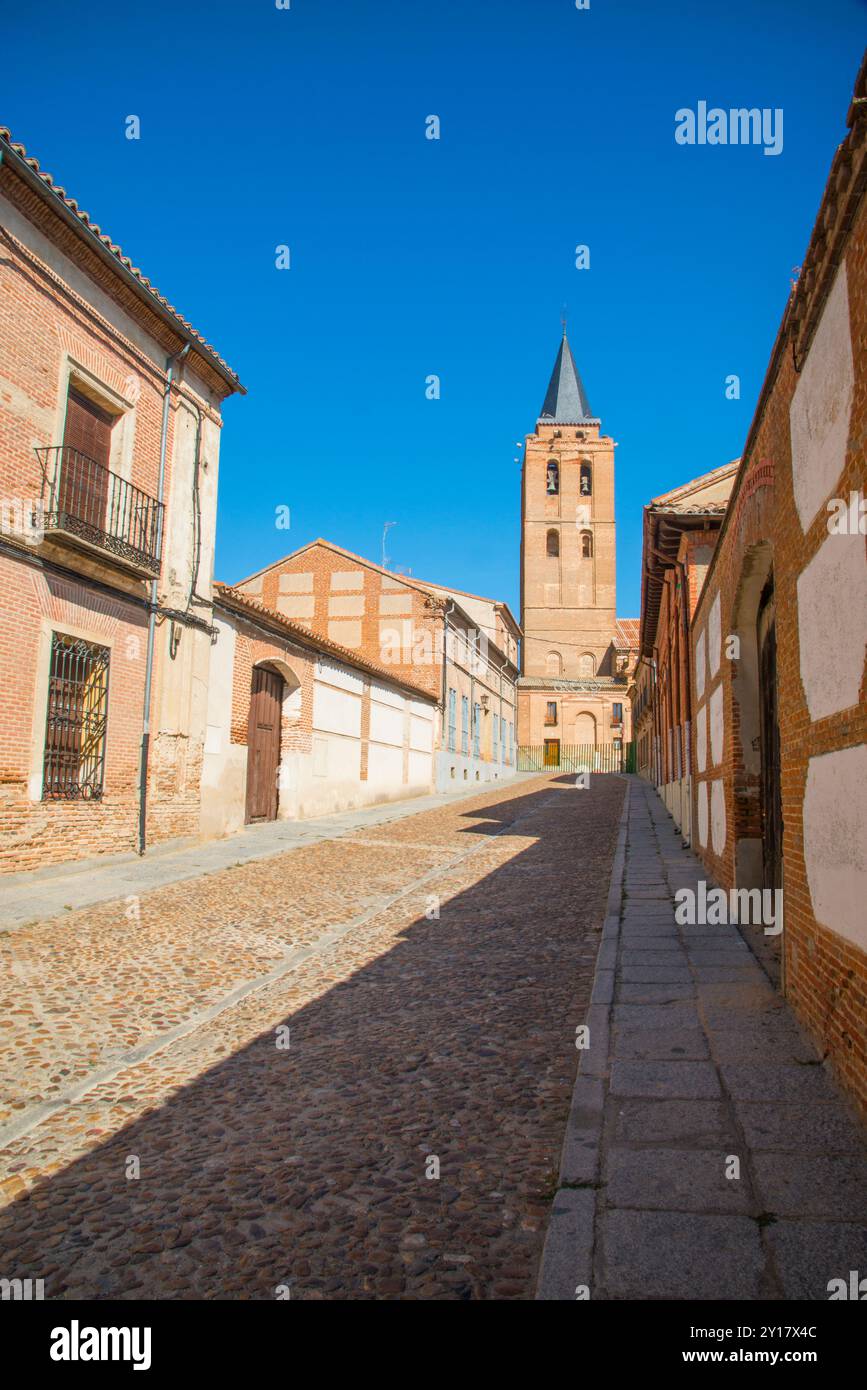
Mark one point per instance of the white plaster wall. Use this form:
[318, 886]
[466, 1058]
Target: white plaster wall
[420, 771]
[333, 673]
[821, 408]
[385, 768]
[832, 624]
[676, 799]
[702, 814]
[386, 724]
[714, 637]
[717, 727]
[701, 738]
[835, 841]
[336, 711]
[291, 583]
[329, 779]
[179, 539]
[224, 765]
[421, 734]
[387, 695]
[700, 664]
[718, 816]
[222, 665]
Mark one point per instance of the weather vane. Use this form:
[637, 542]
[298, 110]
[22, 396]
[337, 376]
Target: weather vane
[563, 319]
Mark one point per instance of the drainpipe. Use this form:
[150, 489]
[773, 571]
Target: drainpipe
[450, 609]
[152, 620]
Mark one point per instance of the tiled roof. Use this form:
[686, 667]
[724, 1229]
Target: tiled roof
[666, 518]
[678, 499]
[52, 187]
[627, 631]
[242, 603]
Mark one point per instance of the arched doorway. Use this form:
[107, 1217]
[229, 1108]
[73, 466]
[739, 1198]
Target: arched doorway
[585, 729]
[771, 803]
[757, 800]
[263, 745]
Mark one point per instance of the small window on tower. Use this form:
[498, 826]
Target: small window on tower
[586, 480]
[553, 482]
[551, 712]
[586, 545]
[553, 664]
[553, 543]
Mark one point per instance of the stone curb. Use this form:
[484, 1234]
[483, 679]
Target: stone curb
[567, 1257]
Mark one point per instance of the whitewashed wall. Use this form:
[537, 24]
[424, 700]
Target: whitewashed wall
[324, 776]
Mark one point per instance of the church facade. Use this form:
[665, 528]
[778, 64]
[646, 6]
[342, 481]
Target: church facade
[577, 656]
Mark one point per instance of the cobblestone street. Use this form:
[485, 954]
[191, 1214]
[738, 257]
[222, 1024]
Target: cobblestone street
[146, 1035]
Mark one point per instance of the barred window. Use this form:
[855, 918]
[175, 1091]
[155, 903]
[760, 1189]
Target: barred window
[74, 763]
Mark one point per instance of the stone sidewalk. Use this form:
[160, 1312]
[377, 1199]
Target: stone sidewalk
[41, 893]
[695, 1060]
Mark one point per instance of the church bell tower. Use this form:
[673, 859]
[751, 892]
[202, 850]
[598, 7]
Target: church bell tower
[568, 558]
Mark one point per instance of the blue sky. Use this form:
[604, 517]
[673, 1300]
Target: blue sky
[306, 127]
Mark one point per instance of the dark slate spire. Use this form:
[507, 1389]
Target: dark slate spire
[565, 402]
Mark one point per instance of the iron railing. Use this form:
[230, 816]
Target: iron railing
[88, 501]
[576, 757]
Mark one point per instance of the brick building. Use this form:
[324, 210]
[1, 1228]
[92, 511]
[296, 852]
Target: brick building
[299, 726]
[577, 656]
[110, 416]
[680, 532]
[778, 639]
[459, 648]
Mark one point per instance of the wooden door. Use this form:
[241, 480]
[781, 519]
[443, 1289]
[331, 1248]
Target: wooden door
[263, 745]
[552, 752]
[771, 800]
[85, 458]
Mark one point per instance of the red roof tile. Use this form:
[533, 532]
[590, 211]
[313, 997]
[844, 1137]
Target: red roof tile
[84, 217]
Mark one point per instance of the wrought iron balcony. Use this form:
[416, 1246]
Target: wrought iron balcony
[84, 500]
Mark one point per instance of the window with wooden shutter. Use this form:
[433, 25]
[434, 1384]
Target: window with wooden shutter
[83, 483]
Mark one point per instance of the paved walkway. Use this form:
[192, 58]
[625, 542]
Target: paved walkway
[344, 1070]
[41, 893]
[695, 1062]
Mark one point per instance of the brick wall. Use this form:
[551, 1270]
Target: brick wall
[66, 320]
[377, 616]
[806, 446]
[36, 833]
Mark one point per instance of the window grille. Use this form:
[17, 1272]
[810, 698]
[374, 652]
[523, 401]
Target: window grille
[74, 763]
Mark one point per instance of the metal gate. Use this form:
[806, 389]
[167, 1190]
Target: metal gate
[552, 756]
